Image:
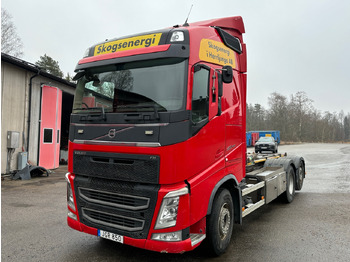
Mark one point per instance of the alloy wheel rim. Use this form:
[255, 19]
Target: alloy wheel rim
[224, 221]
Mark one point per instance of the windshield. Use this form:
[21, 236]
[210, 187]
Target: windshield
[266, 139]
[139, 86]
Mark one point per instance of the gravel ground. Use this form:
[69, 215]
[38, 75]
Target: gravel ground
[314, 227]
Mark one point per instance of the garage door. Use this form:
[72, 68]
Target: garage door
[50, 127]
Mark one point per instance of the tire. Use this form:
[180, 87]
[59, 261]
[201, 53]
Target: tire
[220, 223]
[288, 196]
[300, 174]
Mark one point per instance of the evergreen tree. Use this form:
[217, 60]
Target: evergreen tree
[49, 65]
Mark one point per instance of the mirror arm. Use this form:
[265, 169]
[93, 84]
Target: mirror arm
[213, 88]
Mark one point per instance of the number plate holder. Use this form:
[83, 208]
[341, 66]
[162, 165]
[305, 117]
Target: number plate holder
[111, 236]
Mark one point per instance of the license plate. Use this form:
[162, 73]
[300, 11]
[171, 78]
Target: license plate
[263, 147]
[111, 236]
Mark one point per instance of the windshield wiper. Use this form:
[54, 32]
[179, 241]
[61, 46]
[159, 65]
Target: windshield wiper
[134, 116]
[99, 114]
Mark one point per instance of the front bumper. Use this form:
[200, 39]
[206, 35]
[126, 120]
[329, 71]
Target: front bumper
[191, 236]
[265, 147]
[153, 245]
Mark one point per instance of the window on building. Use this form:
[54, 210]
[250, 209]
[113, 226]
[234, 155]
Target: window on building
[48, 133]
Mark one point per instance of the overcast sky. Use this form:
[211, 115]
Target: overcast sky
[299, 45]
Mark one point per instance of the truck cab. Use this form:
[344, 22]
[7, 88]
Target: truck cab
[157, 137]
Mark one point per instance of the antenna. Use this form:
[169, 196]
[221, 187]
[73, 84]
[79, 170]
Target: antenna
[186, 24]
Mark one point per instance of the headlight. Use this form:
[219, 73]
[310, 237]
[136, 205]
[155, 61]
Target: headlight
[70, 198]
[168, 211]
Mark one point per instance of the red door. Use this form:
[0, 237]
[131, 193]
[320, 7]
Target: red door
[50, 128]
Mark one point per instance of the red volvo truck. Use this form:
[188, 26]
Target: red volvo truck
[157, 150]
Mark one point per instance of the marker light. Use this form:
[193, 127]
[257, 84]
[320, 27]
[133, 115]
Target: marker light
[177, 36]
[87, 51]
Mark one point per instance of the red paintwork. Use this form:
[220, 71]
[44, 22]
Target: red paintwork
[216, 151]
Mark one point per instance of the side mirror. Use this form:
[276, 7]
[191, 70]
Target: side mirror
[227, 74]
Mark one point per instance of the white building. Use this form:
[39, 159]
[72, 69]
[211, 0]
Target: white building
[35, 105]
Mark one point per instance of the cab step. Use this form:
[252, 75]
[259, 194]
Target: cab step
[252, 207]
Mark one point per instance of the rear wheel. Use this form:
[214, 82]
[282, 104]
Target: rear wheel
[300, 176]
[290, 190]
[220, 223]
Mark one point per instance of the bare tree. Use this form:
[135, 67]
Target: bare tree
[298, 120]
[347, 128]
[278, 113]
[301, 107]
[11, 43]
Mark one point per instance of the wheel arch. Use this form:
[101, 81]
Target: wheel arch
[231, 184]
[281, 162]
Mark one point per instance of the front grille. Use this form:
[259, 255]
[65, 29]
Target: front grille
[119, 207]
[265, 145]
[111, 220]
[112, 199]
[125, 167]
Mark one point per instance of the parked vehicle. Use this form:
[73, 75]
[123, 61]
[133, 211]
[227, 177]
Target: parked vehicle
[157, 142]
[266, 143]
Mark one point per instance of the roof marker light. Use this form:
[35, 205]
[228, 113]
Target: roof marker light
[177, 36]
[87, 51]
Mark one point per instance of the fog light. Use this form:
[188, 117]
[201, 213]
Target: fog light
[169, 237]
[72, 215]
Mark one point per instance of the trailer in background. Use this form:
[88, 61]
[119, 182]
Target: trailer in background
[249, 139]
[274, 133]
[252, 137]
[255, 137]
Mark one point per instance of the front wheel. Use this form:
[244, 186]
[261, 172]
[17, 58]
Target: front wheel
[220, 222]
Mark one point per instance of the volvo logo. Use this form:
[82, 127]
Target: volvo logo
[111, 133]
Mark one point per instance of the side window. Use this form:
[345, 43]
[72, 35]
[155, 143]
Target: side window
[200, 96]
